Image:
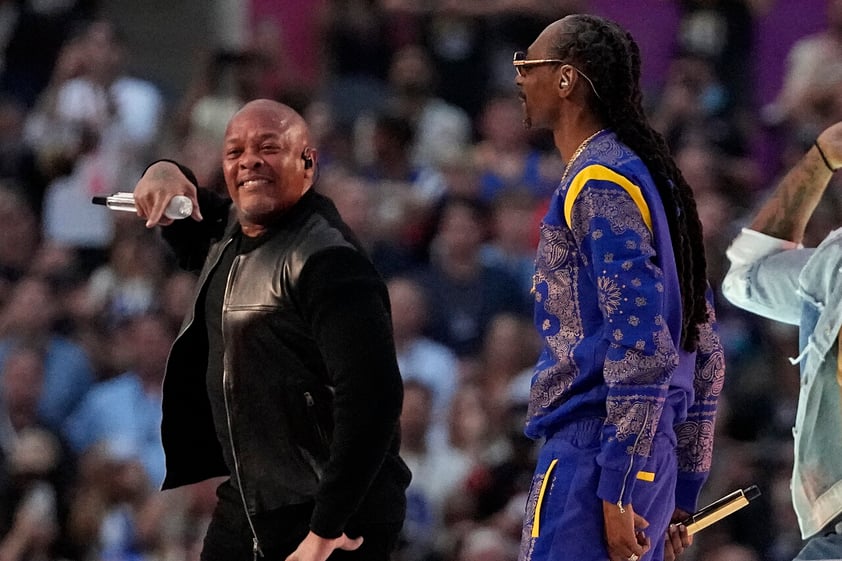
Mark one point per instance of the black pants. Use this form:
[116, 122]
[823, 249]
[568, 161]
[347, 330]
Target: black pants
[229, 537]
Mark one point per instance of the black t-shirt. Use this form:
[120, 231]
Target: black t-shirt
[214, 296]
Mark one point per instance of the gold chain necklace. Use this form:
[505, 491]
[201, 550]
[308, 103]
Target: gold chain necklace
[567, 167]
[577, 153]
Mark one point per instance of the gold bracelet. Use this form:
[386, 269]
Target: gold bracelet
[824, 158]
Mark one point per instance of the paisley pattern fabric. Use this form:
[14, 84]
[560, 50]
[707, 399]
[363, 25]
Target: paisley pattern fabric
[607, 305]
[695, 434]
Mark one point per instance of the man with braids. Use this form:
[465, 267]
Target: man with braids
[772, 274]
[624, 392]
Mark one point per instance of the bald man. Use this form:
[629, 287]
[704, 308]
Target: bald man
[283, 377]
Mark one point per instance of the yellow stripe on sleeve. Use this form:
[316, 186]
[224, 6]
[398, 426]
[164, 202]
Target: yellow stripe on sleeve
[598, 172]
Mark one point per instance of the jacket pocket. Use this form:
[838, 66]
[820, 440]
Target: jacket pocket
[318, 433]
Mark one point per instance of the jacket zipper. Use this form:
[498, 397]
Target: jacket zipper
[256, 551]
[631, 461]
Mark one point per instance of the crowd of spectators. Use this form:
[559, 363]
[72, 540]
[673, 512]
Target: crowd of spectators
[423, 151]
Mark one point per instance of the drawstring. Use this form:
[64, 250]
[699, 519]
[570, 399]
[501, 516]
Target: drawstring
[807, 348]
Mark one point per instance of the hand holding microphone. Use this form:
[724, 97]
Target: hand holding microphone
[164, 193]
[179, 206]
[719, 509]
[680, 532]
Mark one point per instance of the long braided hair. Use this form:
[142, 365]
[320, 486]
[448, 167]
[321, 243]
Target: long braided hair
[609, 56]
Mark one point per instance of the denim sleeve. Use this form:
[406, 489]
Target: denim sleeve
[764, 278]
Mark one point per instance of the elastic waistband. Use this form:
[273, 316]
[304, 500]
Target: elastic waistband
[580, 430]
[588, 428]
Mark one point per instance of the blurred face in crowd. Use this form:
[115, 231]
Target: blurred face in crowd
[264, 162]
[152, 334]
[468, 420]
[145, 341]
[462, 231]
[411, 72]
[20, 230]
[177, 295]
[409, 310]
[513, 225]
[353, 201]
[501, 123]
[415, 414]
[22, 380]
[102, 51]
[31, 308]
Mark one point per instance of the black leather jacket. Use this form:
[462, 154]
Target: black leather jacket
[309, 416]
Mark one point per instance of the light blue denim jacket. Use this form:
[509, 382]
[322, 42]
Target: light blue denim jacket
[783, 281]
